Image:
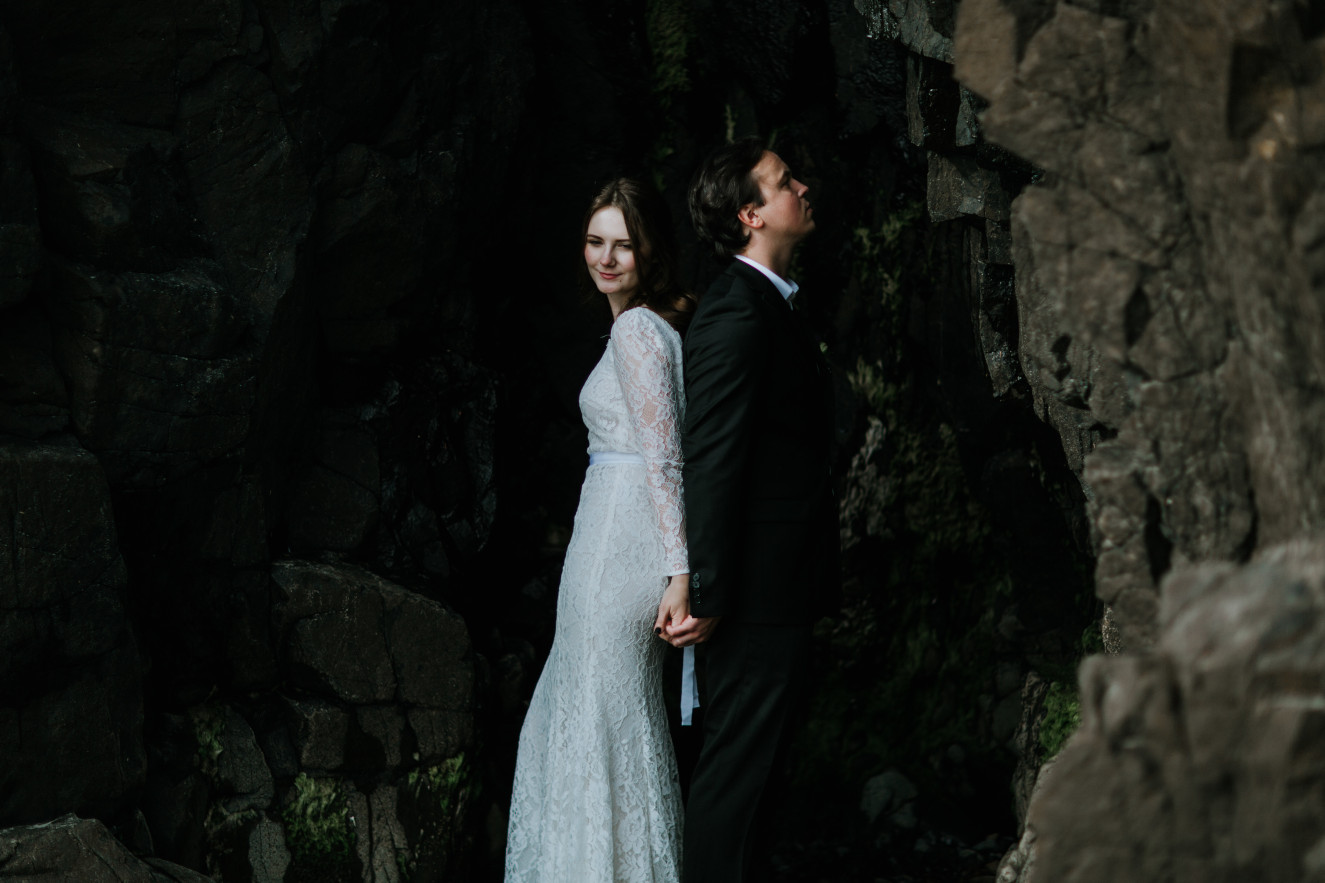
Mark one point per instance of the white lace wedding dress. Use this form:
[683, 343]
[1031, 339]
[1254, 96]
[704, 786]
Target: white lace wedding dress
[597, 797]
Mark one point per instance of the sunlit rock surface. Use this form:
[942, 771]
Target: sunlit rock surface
[1201, 759]
[1170, 329]
[1167, 279]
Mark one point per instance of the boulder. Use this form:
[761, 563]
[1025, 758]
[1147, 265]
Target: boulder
[70, 670]
[1201, 759]
[351, 636]
[70, 848]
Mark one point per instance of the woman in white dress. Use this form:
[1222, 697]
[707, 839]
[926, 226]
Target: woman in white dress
[596, 796]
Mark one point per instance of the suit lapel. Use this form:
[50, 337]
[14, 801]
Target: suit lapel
[759, 282]
[798, 332]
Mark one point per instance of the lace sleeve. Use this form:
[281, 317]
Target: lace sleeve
[650, 379]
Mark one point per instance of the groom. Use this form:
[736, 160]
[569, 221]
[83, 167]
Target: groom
[760, 516]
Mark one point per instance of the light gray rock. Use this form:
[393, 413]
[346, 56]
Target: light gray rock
[268, 856]
[1170, 317]
[1203, 755]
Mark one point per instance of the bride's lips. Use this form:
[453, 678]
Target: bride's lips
[607, 277]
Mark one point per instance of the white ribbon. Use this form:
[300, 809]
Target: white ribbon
[689, 686]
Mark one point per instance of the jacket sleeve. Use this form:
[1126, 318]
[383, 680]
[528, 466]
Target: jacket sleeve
[647, 372]
[725, 350]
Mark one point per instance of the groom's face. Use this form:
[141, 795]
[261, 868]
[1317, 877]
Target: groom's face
[786, 211]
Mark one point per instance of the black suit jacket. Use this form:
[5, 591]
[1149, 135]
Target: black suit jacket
[761, 519]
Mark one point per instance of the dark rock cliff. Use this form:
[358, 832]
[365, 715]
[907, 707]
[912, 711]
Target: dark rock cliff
[238, 357]
[289, 347]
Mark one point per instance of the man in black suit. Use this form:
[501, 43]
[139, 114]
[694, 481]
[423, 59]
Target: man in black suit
[761, 521]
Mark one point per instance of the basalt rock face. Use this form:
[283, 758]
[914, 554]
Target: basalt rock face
[1169, 329]
[1167, 267]
[234, 330]
[958, 458]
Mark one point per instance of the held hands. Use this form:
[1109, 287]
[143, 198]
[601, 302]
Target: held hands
[675, 625]
[691, 630]
[675, 605]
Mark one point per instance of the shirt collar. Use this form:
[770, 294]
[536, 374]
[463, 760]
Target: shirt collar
[785, 288]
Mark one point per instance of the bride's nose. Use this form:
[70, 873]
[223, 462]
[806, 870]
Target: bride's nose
[607, 257]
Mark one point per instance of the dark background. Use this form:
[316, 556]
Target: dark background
[295, 281]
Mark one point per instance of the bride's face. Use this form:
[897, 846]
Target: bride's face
[610, 254]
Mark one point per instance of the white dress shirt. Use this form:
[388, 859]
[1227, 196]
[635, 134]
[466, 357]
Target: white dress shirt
[785, 287]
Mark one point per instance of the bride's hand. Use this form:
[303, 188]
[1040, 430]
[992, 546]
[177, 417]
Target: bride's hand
[675, 605]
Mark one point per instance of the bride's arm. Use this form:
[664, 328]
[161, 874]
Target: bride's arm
[650, 380]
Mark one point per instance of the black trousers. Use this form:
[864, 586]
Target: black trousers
[756, 680]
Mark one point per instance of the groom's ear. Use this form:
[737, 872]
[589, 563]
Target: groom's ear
[749, 216]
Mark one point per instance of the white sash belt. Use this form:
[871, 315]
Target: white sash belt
[689, 686]
[598, 458]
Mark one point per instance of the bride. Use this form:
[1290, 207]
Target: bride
[596, 794]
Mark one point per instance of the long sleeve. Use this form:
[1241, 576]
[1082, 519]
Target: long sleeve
[646, 366]
[724, 351]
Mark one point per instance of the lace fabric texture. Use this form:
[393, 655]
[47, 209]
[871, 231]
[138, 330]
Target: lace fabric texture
[597, 797]
[642, 413]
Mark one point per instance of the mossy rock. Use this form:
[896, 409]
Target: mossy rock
[319, 828]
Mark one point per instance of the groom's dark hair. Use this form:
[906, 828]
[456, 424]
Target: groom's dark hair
[722, 184]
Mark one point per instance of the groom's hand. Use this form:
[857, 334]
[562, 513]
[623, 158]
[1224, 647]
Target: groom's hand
[691, 630]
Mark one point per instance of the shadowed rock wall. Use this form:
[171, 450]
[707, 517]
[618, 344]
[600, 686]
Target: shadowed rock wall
[236, 351]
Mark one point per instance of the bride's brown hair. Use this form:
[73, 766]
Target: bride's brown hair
[649, 225]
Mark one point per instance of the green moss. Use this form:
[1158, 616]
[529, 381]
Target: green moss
[438, 798]
[443, 787]
[1092, 640]
[1062, 716]
[880, 256]
[318, 826]
[868, 382]
[208, 725]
